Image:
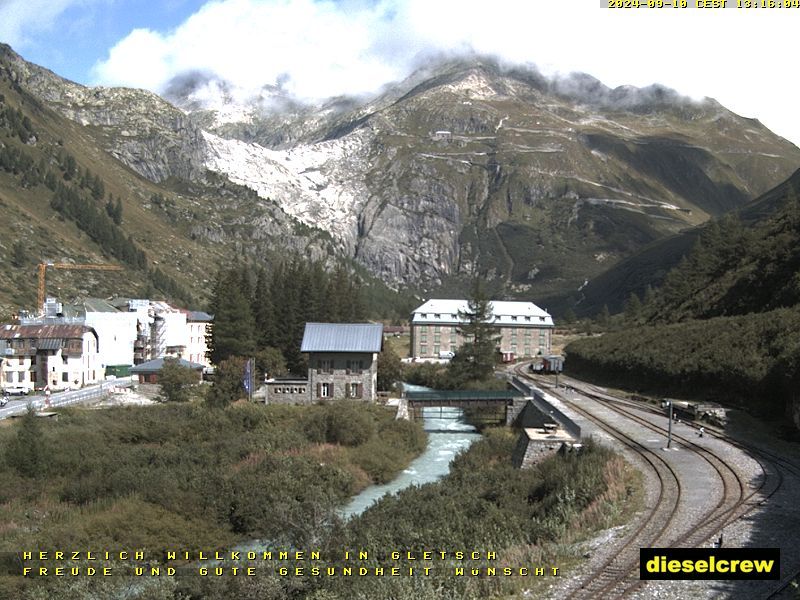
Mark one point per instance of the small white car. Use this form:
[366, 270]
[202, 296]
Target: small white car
[15, 390]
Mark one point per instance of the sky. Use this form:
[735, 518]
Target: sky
[744, 58]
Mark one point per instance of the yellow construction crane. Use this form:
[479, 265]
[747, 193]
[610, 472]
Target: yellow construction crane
[43, 269]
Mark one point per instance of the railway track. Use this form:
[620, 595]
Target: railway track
[775, 466]
[618, 576]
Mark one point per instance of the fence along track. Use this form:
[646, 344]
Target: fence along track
[619, 573]
[772, 465]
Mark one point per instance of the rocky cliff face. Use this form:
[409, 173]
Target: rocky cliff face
[139, 128]
[476, 167]
[467, 167]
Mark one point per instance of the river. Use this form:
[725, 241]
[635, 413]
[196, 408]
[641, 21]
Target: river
[448, 435]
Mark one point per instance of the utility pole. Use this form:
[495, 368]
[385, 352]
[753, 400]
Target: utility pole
[669, 429]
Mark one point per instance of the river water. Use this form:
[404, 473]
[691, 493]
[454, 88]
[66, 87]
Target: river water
[448, 435]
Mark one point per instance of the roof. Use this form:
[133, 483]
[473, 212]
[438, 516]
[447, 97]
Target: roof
[505, 312]
[342, 337]
[99, 305]
[198, 316]
[154, 366]
[69, 332]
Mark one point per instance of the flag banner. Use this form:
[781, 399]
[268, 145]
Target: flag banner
[248, 377]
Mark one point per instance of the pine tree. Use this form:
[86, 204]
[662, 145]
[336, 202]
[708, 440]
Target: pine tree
[233, 331]
[263, 311]
[633, 308]
[476, 357]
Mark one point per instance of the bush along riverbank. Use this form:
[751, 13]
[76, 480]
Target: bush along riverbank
[183, 476]
[528, 519]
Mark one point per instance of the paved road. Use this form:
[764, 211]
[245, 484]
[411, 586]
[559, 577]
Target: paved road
[17, 405]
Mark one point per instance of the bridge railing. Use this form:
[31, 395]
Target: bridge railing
[542, 401]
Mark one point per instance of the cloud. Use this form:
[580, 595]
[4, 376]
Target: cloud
[315, 49]
[318, 49]
[21, 19]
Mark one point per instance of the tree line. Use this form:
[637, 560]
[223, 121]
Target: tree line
[263, 314]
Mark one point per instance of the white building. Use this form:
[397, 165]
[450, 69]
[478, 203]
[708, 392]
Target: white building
[59, 356]
[164, 330]
[116, 333]
[199, 324]
[525, 330]
[115, 329]
[169, 331]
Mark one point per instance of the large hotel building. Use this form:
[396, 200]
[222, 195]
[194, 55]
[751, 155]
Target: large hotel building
[525, 330]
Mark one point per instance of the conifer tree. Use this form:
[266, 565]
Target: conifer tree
[263, 311]
[475, 358]
[233, 330]
[633, 308]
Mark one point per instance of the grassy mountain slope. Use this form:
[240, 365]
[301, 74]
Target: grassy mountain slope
[747, 262]
[540, 184]
[759, 260]
[171, 236]
[726, 321]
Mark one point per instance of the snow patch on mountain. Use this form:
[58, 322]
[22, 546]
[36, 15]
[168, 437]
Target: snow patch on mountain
[321, 184]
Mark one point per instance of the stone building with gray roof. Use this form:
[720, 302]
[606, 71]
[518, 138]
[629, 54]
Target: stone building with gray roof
[342, 364]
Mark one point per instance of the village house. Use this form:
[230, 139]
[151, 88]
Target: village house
[59, 357]
[342, 364]
[524, 329]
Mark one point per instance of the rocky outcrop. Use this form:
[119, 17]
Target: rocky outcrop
[467, 167]
[139, 128]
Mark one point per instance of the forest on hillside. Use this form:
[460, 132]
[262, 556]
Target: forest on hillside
[725, 324]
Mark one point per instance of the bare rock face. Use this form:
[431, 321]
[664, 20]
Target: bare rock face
[143, 131]
[473, 166]
[467, 167]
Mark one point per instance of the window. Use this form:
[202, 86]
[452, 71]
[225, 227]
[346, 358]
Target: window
[325, 390]
[436, 350]
[354, 390]
[355, 366]
[437, 316]
[437, 328]
[527, 318]
[65, 377]
[21, 360]
[423, 349]
[513, 317]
